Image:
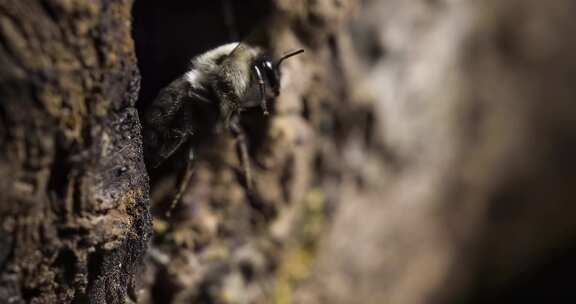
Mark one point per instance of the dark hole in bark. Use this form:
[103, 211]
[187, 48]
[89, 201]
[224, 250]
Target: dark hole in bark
[162, 287]
[29, 294]
[66, 262]
[95, 261]
[247, 270]
[3, 126]
[167, 36]
[59, 172]
[169, 33]
[6, 242]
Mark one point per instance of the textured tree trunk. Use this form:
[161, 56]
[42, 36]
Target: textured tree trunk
[419, 152]
[74, 203]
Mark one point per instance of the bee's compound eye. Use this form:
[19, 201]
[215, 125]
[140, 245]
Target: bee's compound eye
[271, 74]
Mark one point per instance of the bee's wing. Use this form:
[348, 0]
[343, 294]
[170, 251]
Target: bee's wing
[166, 105]
[166, 123]
[241, 47]
[238, 48]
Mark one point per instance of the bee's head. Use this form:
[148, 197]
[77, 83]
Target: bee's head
[270, 75]
[269, 72]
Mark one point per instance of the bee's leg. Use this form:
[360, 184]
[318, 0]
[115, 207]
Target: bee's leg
[180, 137]
[177, 137]
[184, 181]
[262, 90]
[185, 131]
[240, 136]
[198, 96]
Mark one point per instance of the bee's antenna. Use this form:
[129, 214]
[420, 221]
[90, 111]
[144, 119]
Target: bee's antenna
[293, 53]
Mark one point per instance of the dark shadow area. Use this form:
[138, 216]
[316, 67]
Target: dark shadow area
[549, 281]
[169, 33]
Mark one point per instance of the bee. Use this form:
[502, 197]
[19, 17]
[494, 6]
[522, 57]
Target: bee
[218, 86]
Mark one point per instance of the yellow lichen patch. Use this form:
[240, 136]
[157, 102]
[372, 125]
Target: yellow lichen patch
[128, 201]
[160, 226]
[296, 263]
[295, 268]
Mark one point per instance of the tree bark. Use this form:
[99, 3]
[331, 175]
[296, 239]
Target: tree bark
[74, 209]
[419, 152]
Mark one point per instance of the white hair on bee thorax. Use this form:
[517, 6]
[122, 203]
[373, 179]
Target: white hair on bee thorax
[207, 63]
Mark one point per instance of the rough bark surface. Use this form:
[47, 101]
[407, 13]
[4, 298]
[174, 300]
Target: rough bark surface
[74, 203]
[419, 152]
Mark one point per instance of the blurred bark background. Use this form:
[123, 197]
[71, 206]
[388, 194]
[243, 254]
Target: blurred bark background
[419, 153]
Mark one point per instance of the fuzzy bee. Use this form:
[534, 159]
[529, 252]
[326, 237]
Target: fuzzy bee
[219, 85]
